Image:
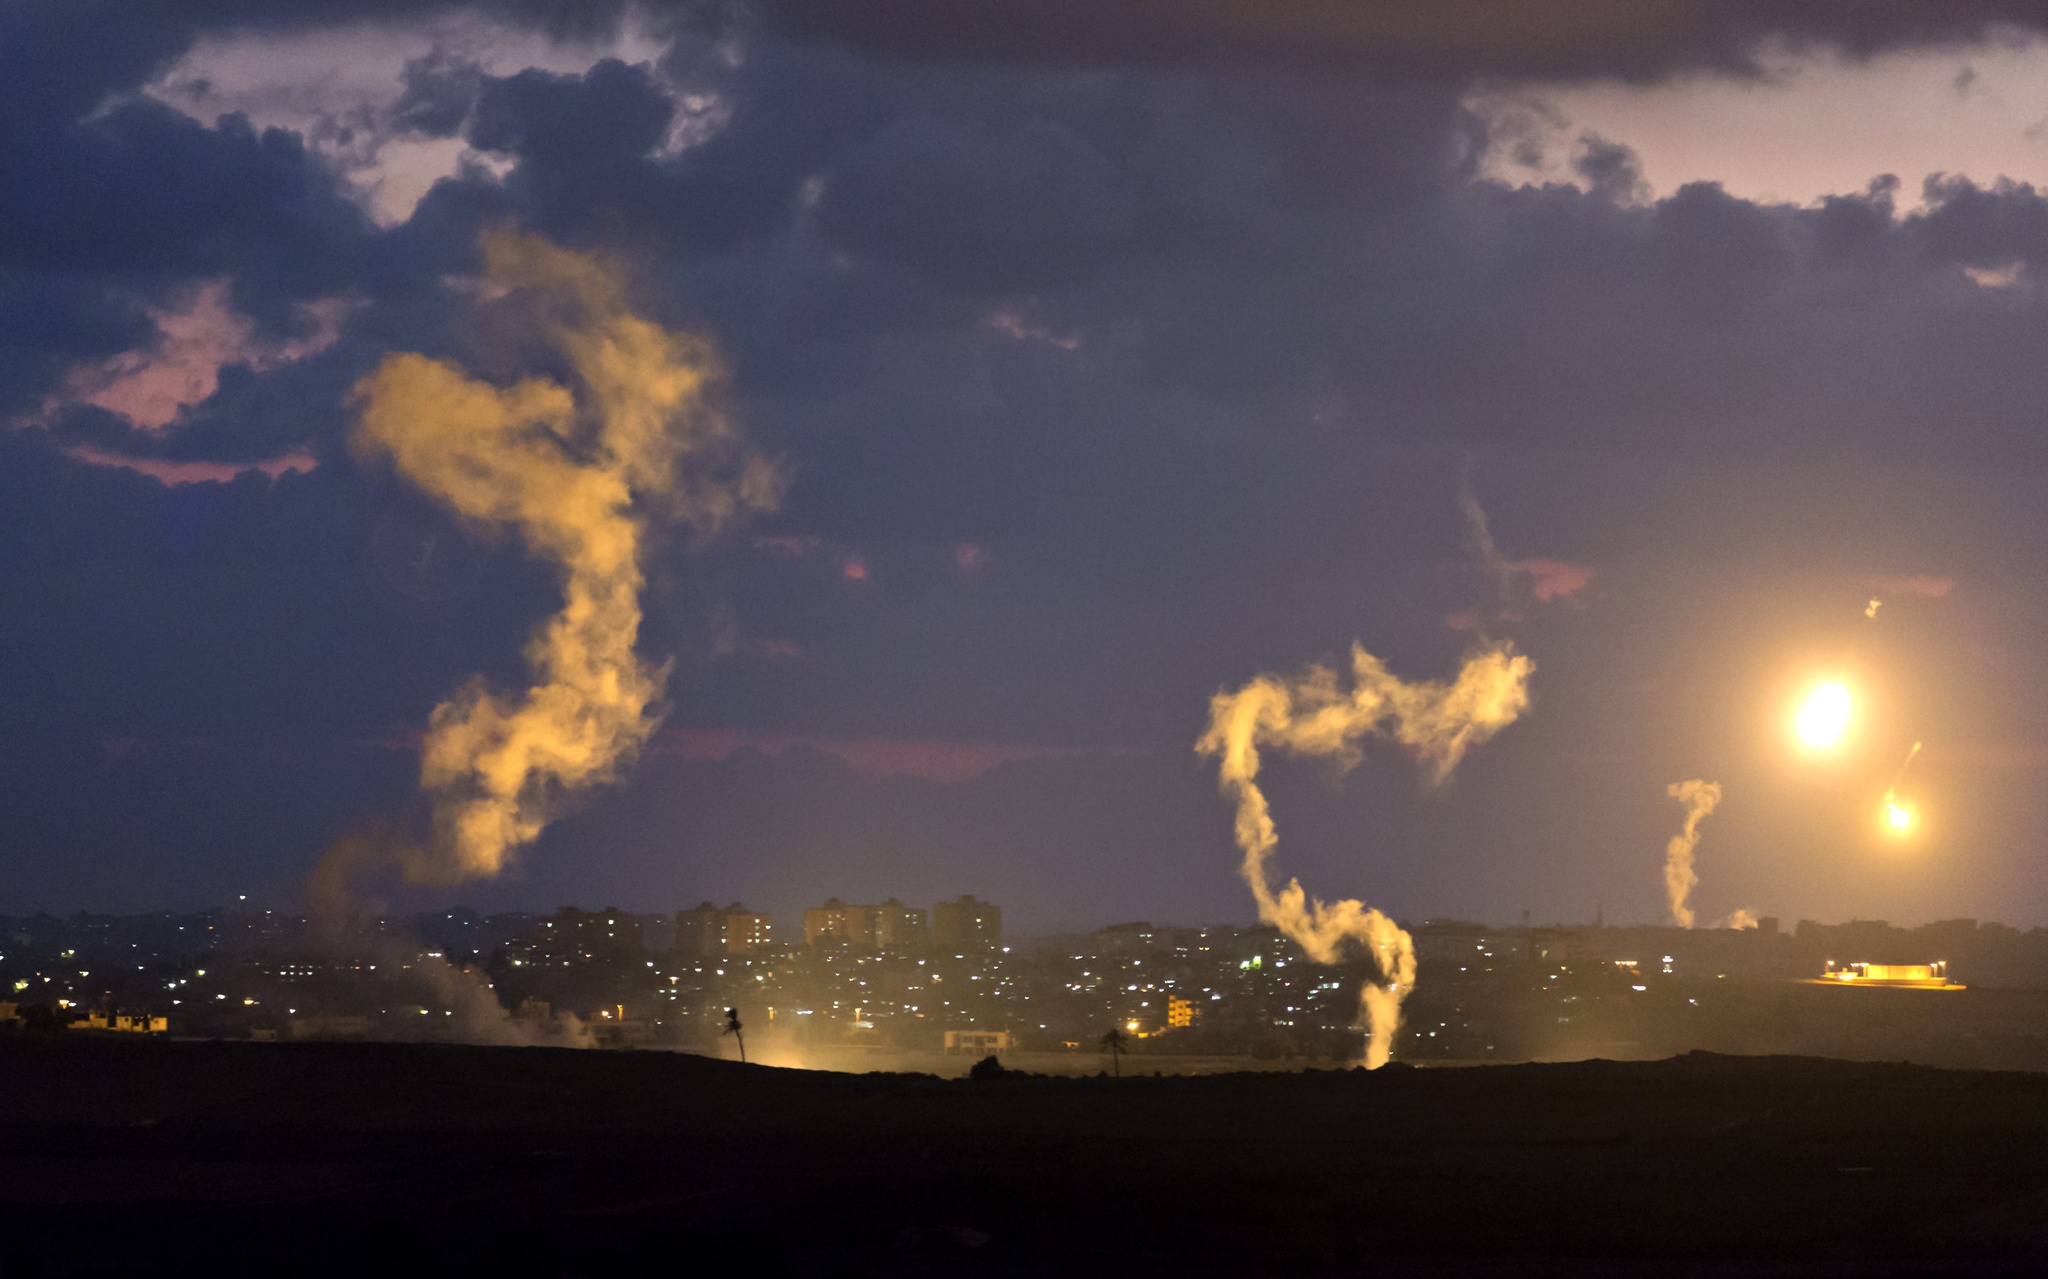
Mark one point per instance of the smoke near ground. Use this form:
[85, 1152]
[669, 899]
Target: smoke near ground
[1699, 798]
[1313, 715]
[576, 471]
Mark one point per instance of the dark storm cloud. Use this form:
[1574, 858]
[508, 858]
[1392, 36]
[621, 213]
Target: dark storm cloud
[1039, 252]
[114, 205]
[1449, 40]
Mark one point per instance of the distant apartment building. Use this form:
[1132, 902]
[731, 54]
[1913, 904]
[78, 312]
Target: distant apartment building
[828, 924]
[889, 926]
[746, 931]
[967, 924]
[1136, 938]
[900, 927]
[1468, 946]
[1181, 1012]
[573, 936]
[700, 933]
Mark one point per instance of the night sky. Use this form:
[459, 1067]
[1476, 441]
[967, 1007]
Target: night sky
[1115, 353]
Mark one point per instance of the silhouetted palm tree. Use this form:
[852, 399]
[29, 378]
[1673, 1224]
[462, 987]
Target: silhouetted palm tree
[1113, 1044]
[732, 1027]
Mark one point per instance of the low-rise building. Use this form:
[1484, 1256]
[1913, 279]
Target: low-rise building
[125, 1023]
[1932, 976]
[978, 1043]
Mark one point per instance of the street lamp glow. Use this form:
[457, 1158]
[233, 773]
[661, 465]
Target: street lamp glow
[1824, 718]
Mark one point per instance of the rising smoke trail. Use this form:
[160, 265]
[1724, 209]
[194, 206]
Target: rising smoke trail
[1479, 541]
[1699, 799]
[1899, 817]
[575, 470]
[1439, 722]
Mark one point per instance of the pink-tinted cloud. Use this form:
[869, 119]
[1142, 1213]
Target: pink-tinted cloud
[779, 648]
[930, 760]
[176, 473]
[1925, 585]
[1553, 579]
[788, 544]
[854, 569]
[151, 387]
[968, 556]
[1013, 325]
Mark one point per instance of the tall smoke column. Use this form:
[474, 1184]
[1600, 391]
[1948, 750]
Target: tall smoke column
[1699, 799]
[1313, 716]
[573, 470]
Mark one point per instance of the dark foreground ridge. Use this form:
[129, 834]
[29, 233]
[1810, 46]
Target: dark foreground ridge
[123, 1157]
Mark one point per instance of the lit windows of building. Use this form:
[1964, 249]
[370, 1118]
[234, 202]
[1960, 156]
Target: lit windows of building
[747, 932]
[967, 924]
[700, 933]
[979, 1043]
[831, 923]
[900, 927]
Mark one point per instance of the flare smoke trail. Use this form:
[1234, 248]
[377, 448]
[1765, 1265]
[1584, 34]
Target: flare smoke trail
[1313, 716]
[575, 471]
[1479, 538]
[1898, 816]
[1699, 799]
[1900, 776]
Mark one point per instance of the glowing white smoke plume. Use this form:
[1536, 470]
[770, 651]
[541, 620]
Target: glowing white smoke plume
[1312, 715]
[575, 469]
[1699, 799]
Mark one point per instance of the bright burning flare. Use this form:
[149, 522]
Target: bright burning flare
[1824, 719]
[1897, 817]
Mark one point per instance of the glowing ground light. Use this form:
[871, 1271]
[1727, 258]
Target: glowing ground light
[1824, 718]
